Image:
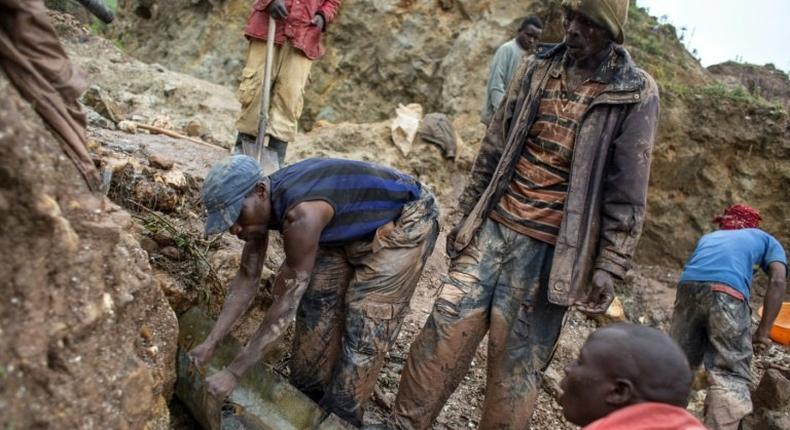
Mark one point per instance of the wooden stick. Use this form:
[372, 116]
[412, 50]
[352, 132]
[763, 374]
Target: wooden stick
[176, 135]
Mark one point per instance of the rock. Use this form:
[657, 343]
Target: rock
[101, 102]
[169, 90]
[79, 288]
[226, 263]
[614, 314]
[155, 196]
[128, 126]
[175, 179]
[160, 162]
[551, 382]
[137, 396]
[163, 121]
[160, 419]
[97, 120]
[149, 245]
[172, 253]
[178, 296]
[773, 392]
[194, 128]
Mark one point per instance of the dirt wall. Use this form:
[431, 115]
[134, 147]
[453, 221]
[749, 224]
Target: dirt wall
[87, 340]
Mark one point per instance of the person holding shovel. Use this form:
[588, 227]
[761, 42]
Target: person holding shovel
[297, 43]
[356, 238]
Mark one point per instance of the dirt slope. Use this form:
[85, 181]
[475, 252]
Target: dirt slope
[87, 340]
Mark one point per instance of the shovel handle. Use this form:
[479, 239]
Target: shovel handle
[99, 9]
[266, 92]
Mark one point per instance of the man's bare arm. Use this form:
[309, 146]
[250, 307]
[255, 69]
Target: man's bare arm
[301, 234]
[240, 294]
[773, 300]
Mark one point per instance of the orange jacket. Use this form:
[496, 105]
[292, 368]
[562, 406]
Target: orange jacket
[298, 28]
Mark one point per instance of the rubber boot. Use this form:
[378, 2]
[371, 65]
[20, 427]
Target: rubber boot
[241, 139]
[280, 147]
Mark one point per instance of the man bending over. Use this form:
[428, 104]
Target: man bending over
[356, 237]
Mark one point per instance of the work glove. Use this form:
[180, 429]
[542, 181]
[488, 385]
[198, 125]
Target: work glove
[318, 21]
[277, 9]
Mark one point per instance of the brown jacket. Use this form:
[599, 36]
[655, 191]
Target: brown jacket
[36, 63]
[607, 190]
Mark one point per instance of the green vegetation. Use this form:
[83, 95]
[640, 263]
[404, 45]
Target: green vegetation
[717, 92]
[195, 270]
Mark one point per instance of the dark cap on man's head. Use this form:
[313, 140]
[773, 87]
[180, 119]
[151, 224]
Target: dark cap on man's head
[225, 188]
[531, 20]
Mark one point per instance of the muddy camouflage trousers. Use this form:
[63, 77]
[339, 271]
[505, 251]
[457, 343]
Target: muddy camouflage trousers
[499, 285]
[714, 329]
[352, 311]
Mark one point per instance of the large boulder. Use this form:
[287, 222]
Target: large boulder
[87, 340]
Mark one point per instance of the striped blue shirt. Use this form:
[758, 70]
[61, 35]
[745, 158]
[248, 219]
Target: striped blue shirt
[365, 196]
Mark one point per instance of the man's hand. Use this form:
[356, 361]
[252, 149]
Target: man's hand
[201, 354]
[601, 294]
[277, 9]
[318, 21]
[221, 384]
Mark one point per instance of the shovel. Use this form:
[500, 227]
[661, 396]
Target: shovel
[260, 149]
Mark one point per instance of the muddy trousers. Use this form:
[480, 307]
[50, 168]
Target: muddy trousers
[290, 72]
[499, 285]
[352, 311]
[714, 329]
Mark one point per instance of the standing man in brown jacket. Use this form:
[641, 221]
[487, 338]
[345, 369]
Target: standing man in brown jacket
[553, 211]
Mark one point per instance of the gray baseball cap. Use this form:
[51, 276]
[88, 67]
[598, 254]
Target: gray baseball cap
[225, 188]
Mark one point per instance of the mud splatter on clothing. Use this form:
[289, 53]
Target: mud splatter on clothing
[352, 311]
[499, 285]
[714, 329]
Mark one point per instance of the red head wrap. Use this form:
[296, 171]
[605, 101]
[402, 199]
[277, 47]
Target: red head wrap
[737, 217]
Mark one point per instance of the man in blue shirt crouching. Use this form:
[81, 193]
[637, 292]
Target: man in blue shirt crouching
[712, 318]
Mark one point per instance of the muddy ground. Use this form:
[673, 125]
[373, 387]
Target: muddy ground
[647, 294]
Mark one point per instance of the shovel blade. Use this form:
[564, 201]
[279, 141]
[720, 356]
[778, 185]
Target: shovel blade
[268, 160]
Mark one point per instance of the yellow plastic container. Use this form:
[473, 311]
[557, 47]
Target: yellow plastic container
[780, 332]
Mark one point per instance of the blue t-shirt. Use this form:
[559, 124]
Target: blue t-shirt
[365, 196]
[728, 256]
